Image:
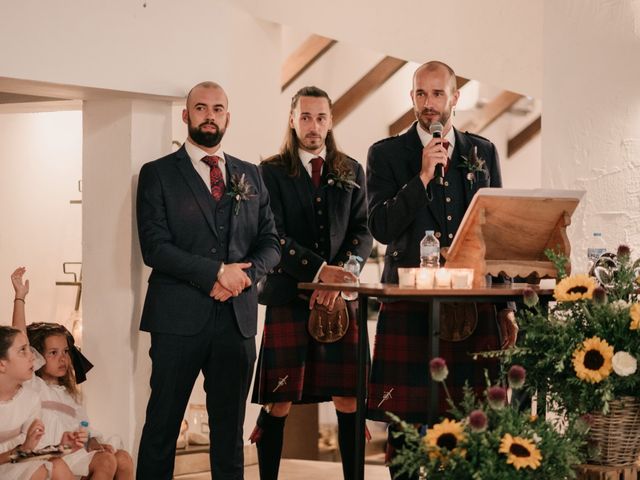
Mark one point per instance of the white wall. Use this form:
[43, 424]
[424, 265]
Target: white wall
[40, 165]
[591, 125]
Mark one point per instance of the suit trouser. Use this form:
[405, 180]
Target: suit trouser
[226, 359]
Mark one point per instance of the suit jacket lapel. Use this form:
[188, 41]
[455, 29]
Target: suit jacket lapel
[198, 188]
[414, 144]
[462, 148]
[234, 168]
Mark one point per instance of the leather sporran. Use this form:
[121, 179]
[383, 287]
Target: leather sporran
[328, 326]
[457, 321]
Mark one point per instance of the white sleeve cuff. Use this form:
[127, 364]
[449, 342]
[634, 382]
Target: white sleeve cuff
[315, 279]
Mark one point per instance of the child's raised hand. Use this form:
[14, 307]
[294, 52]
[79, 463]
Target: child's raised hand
[34, 434]
[21, 287]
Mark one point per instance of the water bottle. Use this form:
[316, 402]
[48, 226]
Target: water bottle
[84, 425]
[352, 266]
[429, 251]
[595, 249]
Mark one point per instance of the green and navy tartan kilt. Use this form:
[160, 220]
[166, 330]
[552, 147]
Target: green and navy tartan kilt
[399, 381]
[293, 367]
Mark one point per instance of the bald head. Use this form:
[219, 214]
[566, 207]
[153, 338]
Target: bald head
[204, 86]
[436, 66]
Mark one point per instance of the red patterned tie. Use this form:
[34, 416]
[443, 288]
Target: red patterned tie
[215, 176]
[445, 145]
[316, 171]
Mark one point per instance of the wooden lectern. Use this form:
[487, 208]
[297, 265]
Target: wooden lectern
[507, 230]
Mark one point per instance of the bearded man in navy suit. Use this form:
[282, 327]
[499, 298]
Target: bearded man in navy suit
[207, 231]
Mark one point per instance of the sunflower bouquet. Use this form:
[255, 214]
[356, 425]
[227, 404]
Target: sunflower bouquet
[489, 439]
[584, 350]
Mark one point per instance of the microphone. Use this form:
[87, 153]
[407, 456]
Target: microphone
[435, 129]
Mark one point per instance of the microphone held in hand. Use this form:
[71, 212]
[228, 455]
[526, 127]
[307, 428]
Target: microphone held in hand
[435, 129]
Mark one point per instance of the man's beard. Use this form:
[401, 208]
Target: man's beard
[444, 117]
[206, 139]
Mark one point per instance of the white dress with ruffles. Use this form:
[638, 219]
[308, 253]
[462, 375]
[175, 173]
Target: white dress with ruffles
[61, 413]
[16, 415]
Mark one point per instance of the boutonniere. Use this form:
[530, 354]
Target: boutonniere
[241, 191]
[345, 180]
[474, 164]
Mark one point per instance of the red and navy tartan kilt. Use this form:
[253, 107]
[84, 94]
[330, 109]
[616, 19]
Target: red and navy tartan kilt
[400, 375]
[293, 367]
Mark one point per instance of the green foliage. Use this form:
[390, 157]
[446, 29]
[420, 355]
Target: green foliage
[559, 260]
[481, 459]
[549, 338]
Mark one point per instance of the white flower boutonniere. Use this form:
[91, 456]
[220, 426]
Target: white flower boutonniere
[241, 190]
[474, 164]
[343, 180]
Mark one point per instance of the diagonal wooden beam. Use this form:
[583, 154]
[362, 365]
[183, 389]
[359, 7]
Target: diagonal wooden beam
[303, 57]
[408, 117]
[364, 87]
[491, 111]
[524, 136]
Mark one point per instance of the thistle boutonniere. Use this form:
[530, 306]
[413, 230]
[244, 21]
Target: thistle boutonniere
[344, 180]
[474, 164]
[241, 191]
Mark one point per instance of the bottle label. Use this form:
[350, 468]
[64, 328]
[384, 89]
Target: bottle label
[428, 250]
[595, 252]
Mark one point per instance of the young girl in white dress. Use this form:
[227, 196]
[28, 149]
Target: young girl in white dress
[20, 424]
[56, 383]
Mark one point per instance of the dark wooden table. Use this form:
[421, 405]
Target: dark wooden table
[433, 297]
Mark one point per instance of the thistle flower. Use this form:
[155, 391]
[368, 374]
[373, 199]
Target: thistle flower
[516, 377]
[599, 296]
[478, 421]
[530, 297]
[439, 370]
[497, 397]
[623, 251]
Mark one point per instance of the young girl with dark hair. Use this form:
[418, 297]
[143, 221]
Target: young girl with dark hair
[56, 382]
[20, 426]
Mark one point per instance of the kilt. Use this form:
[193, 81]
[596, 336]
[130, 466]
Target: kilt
[293, 367]
[401, 363]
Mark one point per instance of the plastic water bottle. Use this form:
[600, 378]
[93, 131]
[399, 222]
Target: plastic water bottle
[84, 426]
[429, 251]
[596, 248]
[352, 266]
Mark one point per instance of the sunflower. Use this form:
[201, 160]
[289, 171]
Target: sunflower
[576, 287]
[592, 360]
[444, 439]
[521, 453]
[634, 312]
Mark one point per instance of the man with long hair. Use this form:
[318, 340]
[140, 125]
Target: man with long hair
[319, 204]
[404, 201]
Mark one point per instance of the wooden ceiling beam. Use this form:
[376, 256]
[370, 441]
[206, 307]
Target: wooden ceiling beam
[408, 117]
[524, 136]
[491, 111]
[364, 87]
[303, 57]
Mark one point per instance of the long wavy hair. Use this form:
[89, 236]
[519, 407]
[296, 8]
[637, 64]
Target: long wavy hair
[288, 156]
[38, 334]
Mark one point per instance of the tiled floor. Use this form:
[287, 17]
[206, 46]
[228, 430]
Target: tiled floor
[305, 470]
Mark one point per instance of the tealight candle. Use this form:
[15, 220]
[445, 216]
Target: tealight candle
[443, 278]
[461, 277]
[407, 277]
[425, 277]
